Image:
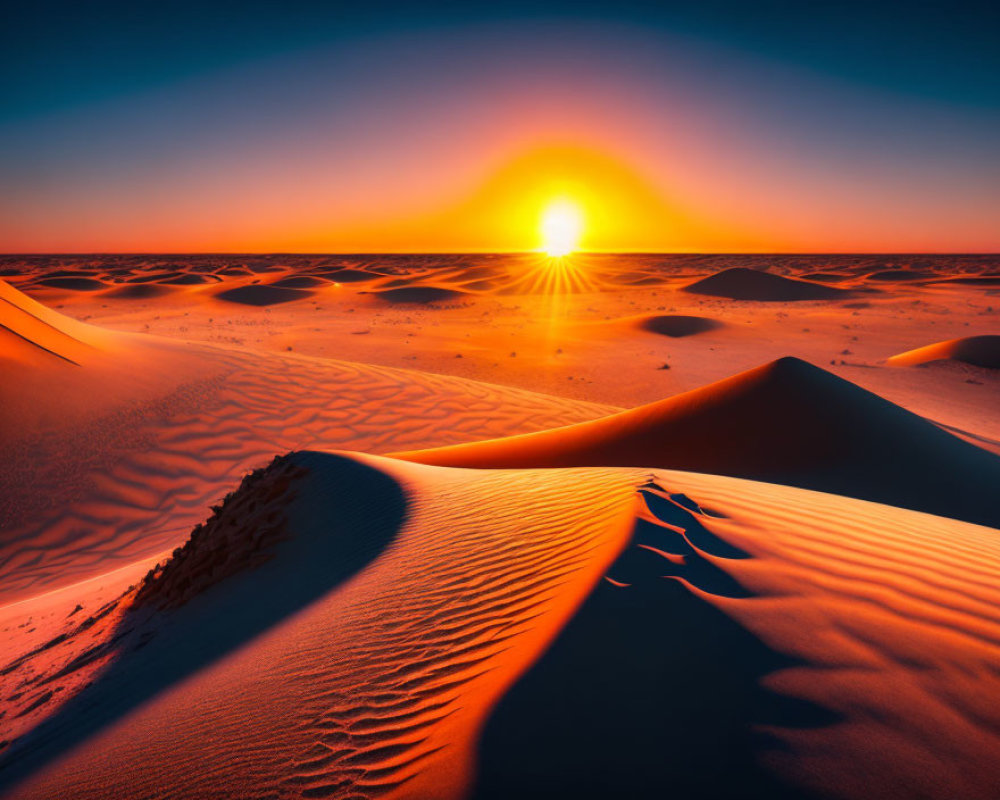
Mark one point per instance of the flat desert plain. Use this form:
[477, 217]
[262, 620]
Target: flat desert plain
[497, 526]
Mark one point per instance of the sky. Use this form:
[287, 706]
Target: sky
[718, 126]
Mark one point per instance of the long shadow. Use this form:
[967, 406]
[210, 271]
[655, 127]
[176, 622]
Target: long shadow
[650, 691]
[344, 514]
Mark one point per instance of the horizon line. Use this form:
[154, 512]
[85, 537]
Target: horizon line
[277, 253]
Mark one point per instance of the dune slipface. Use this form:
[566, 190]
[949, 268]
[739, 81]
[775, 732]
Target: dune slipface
[350, 275]
[417, 631]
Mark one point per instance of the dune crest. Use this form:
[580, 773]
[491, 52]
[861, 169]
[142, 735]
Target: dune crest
[979, 351]
[380, 674]
[30, 331]
[784, 422]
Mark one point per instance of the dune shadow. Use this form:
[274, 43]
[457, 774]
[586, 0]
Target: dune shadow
[678, 326]
[72, 284]
[343, 515]
[742, 283]
[651, 690]
[262, 295]
[418, 294]
[139, 291]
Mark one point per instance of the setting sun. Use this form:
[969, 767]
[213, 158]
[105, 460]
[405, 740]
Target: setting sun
[562, 224]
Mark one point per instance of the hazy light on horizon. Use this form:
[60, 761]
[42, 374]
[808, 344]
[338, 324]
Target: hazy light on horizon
[450, 139]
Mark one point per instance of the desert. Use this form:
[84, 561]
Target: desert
[542, 399]
[352, 543]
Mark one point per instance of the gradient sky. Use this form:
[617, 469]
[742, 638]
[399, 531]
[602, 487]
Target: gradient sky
[716, 126]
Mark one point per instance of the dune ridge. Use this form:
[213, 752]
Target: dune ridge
[390, 695]
[30, 330]
[979, 351]
[121, 461]
[386, 676]
[784, 422]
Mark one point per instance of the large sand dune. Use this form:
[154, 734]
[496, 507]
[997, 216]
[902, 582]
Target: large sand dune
[784, 422]
[365, 656]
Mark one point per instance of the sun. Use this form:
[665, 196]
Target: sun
[562, 224]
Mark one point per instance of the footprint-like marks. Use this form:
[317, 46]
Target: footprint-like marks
[654, 688]
[670, 540]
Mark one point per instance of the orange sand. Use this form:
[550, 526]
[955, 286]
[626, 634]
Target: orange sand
[694, 597]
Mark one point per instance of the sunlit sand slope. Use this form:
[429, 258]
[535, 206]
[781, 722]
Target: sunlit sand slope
[30, 332]
[413, 631]
[980, 351]
[785, 422]
[400, 603]
[114, 458]
[765, 642]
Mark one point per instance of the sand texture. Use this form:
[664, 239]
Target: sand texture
[497, 526]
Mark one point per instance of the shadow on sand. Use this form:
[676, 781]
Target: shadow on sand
[343, 514]
[650, 691]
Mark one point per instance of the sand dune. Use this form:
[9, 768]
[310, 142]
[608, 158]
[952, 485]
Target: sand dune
[418, 294]
[740, 283]
[156, 277]
[785, 422]
[112, 461]
[974, 280]
[30, 331]
[901, 275]
[301, 282]
[348, 275]
[139, 291]
[980, 351]
[73, 284]
[707, 685]
[677, 325]
[415, 631]
[262, 295]
[59, 372]
[190, 279]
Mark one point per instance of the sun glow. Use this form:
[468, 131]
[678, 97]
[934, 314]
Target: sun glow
[562, 224]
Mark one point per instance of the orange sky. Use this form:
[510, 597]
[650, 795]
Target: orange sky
[423, 144]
